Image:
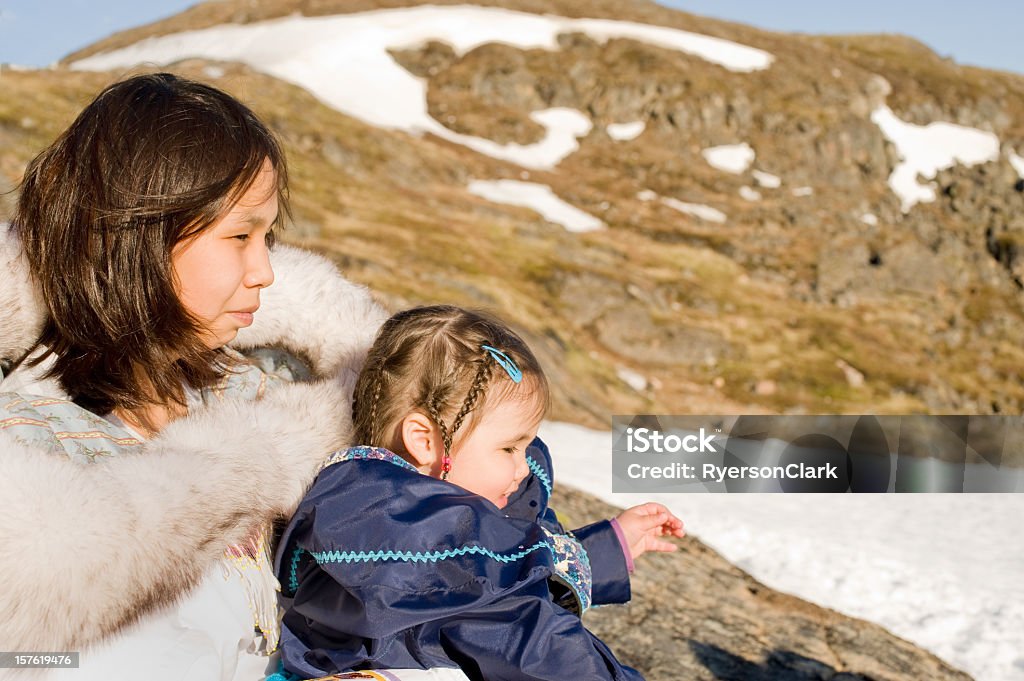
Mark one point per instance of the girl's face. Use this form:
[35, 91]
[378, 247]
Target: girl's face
[491, 461]
[219, 272]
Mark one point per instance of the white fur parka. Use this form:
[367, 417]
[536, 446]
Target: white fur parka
[70, 577]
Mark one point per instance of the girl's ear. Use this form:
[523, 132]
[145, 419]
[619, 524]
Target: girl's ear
[422, 440]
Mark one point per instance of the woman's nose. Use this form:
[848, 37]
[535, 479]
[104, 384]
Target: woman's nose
[260, 274]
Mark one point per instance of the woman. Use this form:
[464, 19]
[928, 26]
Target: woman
[144, 458]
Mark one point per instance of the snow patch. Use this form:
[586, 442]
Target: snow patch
[1017, 162]
[732, 158]
[563, 126]
[749, 193]
[733, 56]
[869, 219]
[698, 210]
[623, 132]
[941, 570]
[633, 379]
[344, 61]
[766, 180]
[646, 195]
[802, 191]
[926, 149]
[538, 197]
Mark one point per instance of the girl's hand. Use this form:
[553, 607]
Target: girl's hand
[643, 524]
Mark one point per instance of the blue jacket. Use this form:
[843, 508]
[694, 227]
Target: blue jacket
[383, 567]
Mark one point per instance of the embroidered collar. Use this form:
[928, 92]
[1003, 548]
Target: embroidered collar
[364, 452]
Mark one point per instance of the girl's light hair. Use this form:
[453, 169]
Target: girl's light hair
[431, 359]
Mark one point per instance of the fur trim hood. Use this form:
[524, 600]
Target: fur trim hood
[21, 308]
[141, 530]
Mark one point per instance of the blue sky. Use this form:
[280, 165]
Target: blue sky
[986, 33]
[39, 32]
[990, 33]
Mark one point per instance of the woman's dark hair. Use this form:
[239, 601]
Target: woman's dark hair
[433, 359]
[152, 161]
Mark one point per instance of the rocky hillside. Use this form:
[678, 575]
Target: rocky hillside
[807, 288]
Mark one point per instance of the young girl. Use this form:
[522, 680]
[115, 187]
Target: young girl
[433, 545]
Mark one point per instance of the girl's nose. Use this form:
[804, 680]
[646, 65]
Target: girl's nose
[522, 468]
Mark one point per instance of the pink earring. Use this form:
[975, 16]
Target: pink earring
[446, 466]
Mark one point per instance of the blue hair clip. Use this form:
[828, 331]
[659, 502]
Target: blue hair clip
[507, 364]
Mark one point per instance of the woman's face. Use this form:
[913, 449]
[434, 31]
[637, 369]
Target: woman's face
[219, 273]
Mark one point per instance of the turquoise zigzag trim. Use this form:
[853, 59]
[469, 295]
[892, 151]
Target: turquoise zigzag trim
[293, 576]
[322, 557]
[539, 472]
[421, 556]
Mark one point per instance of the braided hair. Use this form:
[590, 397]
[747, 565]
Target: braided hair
[432, 359]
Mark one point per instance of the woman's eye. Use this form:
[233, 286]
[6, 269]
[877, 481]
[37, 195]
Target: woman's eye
[241, 237]
[510, 450]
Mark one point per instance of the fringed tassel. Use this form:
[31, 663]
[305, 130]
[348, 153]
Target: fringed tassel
[253, 565]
